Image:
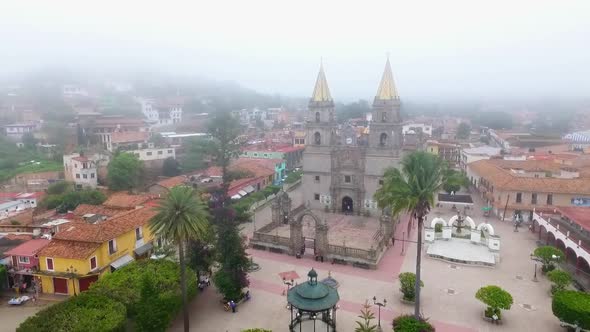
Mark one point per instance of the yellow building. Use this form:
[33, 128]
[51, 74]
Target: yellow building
[83, 252]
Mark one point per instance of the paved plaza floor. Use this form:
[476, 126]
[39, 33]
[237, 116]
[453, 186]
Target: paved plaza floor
[448, 297]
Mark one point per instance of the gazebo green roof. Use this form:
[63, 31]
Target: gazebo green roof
[313, 296]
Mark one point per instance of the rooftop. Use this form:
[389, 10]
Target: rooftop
[29, 248]
[69, 249]
[123, 200]
[84, 209]
[129, 136]
[172, 182]
[579, 215]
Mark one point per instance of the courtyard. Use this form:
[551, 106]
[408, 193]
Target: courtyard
[448, 297]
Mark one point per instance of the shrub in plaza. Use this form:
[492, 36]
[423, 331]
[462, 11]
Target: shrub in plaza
[572, 307]
[125, 284]
[409, 323]
[545, 254]
[407, 282]
[86, 312]
[366, 316]
[256, 330]
[560, 279]
[495, 298]
[152, 315]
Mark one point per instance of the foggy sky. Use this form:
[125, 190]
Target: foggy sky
[438, 49]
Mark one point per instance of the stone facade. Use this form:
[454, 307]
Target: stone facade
[342, 171]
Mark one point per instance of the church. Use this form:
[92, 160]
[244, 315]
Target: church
[342, 170]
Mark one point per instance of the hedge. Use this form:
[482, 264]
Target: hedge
[409, 323]
[124, 285]
[572, 307]
[86, 312]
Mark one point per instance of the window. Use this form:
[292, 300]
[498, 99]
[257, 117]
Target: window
[138, 233]
[170, 151]
[549, 199]
[112, 246]
[383, 139]
[534, 198]
[317, 138]
[347, 179]
[255, 154]
[380, 182]
[317, 116]
[383, 117]
[23, 259]
[317, 178]
[77, 176]
[93, 263]
[149, 153]
[92, 175]
[49, 264]
[316, 197]
[518, 197]
[160, 152]
[85, 176]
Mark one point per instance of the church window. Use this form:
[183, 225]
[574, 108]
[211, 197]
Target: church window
[383, 117]
[316, 197]
[381, 182]
[347, 178]
[383, 139]
[317, 138]
[317, 178]
[317, 116]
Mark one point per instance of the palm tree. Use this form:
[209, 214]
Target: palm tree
[412, 189]
[182, 216]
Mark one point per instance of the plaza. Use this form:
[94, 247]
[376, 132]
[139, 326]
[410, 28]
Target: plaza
[448, 296]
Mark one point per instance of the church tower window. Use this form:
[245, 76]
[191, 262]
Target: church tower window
[317, 138]
[317, 116]
[383, 139]
[383, 117]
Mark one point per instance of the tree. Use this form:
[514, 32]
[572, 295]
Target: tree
[560, 279]
[170, 167]
[231, 277]
[151, 314]
[224, 129]
[182, 216]
[157, 139]
[548, 256]
[29, 141]
[572, 307]
[412, 189]
[125, 172]
[367, 316]
[454, 180]
[495, 298]
[197, 153]
[59, 188]
[407, 282]
[463, 130]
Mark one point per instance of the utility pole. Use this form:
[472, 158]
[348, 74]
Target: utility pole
[505, 207]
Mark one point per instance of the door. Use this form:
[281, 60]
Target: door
[60, 286]
[86, 282]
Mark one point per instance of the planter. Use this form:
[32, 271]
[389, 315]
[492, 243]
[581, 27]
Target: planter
[490, 319]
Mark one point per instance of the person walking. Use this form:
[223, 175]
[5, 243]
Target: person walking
[232, 304]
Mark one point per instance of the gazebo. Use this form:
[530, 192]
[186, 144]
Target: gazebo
[312, 302]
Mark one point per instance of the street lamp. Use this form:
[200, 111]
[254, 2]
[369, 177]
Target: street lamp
[537, 259]
[72, 273]
[383, 304]
[289, 284]
[313, 316]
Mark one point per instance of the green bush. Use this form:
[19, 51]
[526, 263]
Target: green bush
[560, 279]
[152, 313]
[572, 307]
[495, 298]
[407, 281]
[408, 323]
[256, 330]
[3, 274]
[545, 254]
[294, 177]
[124, 285]
[86, 312]
[438, 228]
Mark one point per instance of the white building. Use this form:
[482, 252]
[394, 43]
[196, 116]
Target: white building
[83, 170]
[151, 154]
[470, 155]
[30, 200]
[17, 130]
[177, 140]
[415, 128]
[160, 114]
[70, 91]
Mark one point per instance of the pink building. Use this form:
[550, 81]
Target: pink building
[24, 261]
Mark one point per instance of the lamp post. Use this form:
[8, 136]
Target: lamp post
[382, 304]
[554, 258]
[72, 273]
[289, 284]
[313, 316]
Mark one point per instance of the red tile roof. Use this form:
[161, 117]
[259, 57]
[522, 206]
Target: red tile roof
[29, 248]
[83, 209]
[80, 159]
[172, 182]
[123, 200]
[579, 215]
[69, 249]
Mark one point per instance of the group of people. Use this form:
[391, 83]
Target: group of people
[204, 281]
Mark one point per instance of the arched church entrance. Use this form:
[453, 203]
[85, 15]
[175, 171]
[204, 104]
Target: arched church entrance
[347, 205]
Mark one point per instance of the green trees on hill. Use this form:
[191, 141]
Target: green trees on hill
[63, 197]
[125, 171]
